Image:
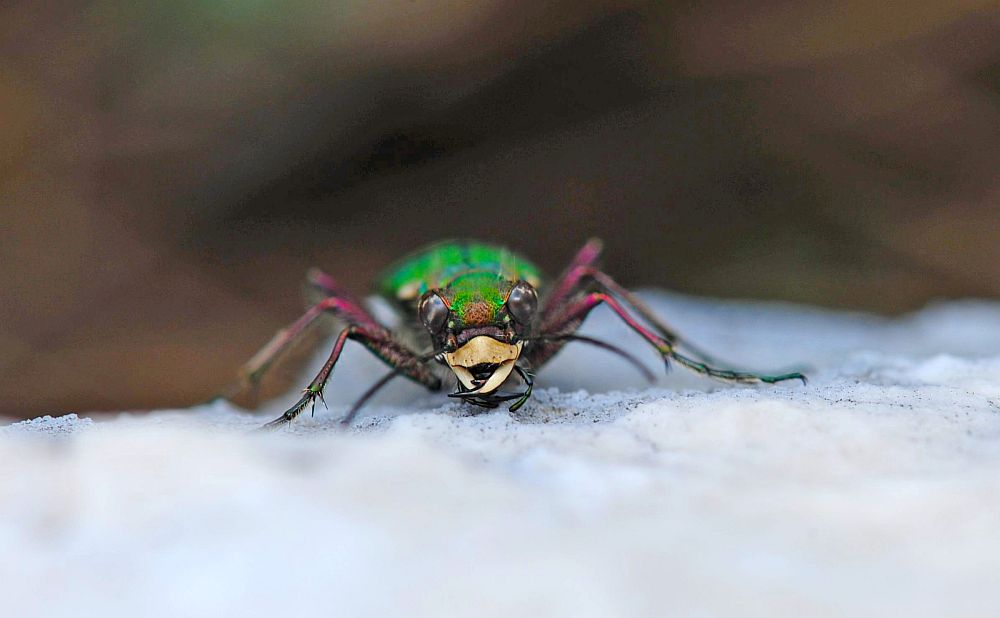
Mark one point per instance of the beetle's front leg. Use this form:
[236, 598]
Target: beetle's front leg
[329, 298]
[379, 342]
[254, 369]
[574, 312]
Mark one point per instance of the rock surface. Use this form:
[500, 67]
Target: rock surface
[874, 490]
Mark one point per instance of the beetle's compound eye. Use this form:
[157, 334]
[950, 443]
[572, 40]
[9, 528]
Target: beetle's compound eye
[433, 312]
[522, 302]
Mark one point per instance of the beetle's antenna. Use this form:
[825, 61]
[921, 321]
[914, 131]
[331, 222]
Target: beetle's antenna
[604, 345]
[377, 386]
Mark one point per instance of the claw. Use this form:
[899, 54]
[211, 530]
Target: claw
[308, 396]
[785, 376]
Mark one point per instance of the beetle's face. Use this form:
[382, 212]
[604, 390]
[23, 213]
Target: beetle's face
[482, 335]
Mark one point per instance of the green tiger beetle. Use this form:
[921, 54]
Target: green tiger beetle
[477, 310]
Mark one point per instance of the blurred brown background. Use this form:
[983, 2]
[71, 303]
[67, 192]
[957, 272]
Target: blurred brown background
[168, 170]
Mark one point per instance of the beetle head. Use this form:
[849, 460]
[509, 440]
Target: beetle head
[480, 323]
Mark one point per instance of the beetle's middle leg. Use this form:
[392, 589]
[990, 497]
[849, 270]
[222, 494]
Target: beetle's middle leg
[378, 341]
[552, 339]
[583, 275]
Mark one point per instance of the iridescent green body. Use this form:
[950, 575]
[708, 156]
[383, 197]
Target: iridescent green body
[476, 277]
[475, 312]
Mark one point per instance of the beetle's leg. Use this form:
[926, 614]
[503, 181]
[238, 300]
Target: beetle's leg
[588, 277]
[322, 285]
[380, 343]
[327, 296]
[583, 273]
[347, 310]
[570, 318]
[568, 282]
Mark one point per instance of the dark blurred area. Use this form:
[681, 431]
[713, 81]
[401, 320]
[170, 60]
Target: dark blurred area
[168, 170]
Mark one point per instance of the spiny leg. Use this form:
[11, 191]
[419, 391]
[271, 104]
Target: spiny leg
[568, 283]
[583, 275]
[379, 343]
[346, 309]
[588, 278]
[597, 343]
[574, 313]
[321, 285]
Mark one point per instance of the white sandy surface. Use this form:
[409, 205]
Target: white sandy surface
[873, 491]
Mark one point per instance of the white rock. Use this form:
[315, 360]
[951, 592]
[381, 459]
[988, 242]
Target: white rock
[873, 491]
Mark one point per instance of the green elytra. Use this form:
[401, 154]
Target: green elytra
[471, 271]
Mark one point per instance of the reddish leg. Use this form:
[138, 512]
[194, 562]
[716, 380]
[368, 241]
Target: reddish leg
[574, 313]
[327, 286]
[568, 282]
[380, 343]
[345, 309]
[582, 278]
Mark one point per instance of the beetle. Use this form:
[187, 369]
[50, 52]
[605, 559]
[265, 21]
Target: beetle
[480, 311]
